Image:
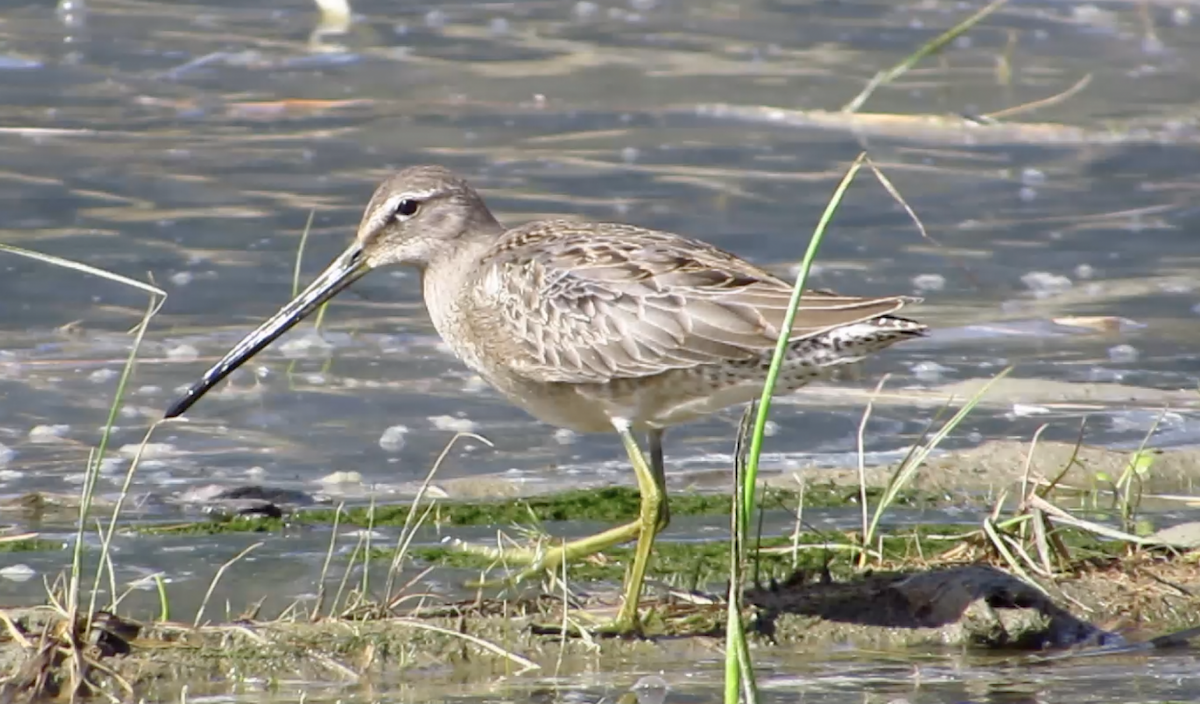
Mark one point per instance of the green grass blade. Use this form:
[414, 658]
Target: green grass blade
[739, 669]
[157, 298]
[739, 675]
[908, 468]
[764, 403]
[930, 47]
[93, 469]
[300, 253]
[87, 269]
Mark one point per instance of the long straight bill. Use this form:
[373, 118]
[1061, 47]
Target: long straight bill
[347, 268]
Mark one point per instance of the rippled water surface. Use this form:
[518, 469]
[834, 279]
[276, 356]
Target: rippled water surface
[190, 143]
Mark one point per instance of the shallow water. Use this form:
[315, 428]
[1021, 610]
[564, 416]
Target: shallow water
[191, 142]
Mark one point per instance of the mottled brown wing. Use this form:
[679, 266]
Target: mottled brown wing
[588, 302]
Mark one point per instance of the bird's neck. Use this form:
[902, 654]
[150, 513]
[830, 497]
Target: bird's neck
[446, 278]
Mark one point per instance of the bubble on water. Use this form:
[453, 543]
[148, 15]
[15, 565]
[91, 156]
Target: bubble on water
[101, 376]
[1024, 410]
[150, 451]
[1123, 354]
[400, 29]
[650, 689]
[498, 26]
[1181, 16]
[929, 371]
[183, 353]
[974, 437]
[181, 278]
[48, 434]
[303, 345]
[111, 465]
[962, 42]
[72, 13]
[585, 10]
[770, 428]
[1136, 420]
[929, 282]
[393, 439]
[6, 454]
[474, 384]
[149, 583]
[629, 155]
[1032, 177]
[148, 390]
[341, 477]
[1096, 16]
[565, 436]
[1136, 223]
[1084, 271]
[435, 19]
[813, 271]
[360, 534]
[453, 424]
[1027, 194]
[1104, 375]
[10, 367]
[1044, 283]
[17, 573]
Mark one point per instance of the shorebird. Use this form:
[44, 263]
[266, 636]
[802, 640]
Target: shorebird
[596, 327]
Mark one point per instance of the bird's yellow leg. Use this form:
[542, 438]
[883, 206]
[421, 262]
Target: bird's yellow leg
[653, 516]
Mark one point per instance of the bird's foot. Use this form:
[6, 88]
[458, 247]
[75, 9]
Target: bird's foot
[544, 558]
[536, 561]
[574, 629]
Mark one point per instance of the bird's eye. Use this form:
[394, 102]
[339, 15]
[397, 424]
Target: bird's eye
[407, 207]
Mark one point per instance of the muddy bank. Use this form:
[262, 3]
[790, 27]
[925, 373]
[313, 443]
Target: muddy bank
[1101, 605]
[995, 465]
[933, 587]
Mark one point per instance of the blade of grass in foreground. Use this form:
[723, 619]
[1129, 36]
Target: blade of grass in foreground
[93, 469]
[87, 269]
[916, 457]
[738, 670]
[764, 402]
[156, 300]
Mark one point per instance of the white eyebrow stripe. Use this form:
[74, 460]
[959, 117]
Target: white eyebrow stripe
[384, 214]
[413, 195]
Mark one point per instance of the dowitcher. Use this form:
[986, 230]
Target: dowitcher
[596, 327]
